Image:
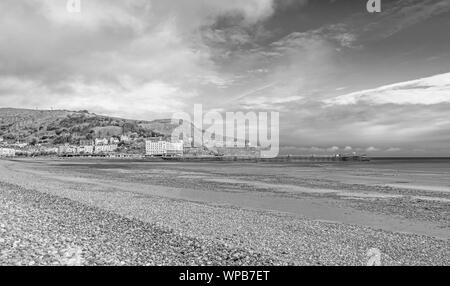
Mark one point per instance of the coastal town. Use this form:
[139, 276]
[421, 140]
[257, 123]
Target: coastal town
[28, 133]
[134, 147]
[127, 146]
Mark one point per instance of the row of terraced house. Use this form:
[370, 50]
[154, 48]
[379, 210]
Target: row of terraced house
[7, 152]
[89, 147]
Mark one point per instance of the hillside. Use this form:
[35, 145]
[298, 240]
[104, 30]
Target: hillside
[63, 126]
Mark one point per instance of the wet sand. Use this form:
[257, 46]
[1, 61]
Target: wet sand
[410, 200]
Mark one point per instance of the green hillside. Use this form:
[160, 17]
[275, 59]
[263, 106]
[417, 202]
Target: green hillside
[62, 126]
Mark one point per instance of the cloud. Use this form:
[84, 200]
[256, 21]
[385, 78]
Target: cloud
[149, 41]
[147, 59]
[360, 29]
[333, 149]
[406, 13]
[427, 91]
[379, 118]
[372, 149]
[147, 100]
[393, 149]
[293, 66]
[96, 49]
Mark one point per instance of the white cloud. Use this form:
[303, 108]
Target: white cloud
[150, 41]
[372, 149]
[393, 149]
[130, 99]
[427, 91]
[333, 149]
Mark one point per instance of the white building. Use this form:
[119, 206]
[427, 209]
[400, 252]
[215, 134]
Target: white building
[174, 148]
[105, 148]
[67, 149]
[50, 150]
[124, 138]
[76, 150]
[102, 141]
[155, 148]
[163, 148]
[88, 149]
[21, 144]
[7, 152]
[113, 140]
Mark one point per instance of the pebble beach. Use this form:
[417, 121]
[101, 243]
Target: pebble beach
[72, 213]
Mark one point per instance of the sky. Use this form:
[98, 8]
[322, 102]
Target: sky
[342, 79]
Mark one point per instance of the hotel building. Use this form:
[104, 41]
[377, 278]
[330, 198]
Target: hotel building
[163, 148]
